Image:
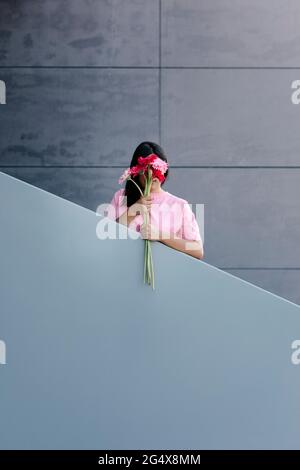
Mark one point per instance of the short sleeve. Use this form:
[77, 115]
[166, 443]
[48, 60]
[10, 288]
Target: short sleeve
[117, 206]
[190, 227]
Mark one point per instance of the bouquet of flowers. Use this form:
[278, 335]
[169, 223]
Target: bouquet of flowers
[150, 166]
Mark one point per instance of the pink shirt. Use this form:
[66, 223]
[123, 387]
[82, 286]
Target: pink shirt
[168, 213]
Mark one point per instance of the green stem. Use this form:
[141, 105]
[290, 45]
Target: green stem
[145, 254]
[146, 193]
[148, 272]
[130, 179]
[148, 260]
[152, 270]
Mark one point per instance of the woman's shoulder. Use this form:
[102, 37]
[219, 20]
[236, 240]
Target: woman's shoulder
[117, 197]
[177, 199]
[119, 192]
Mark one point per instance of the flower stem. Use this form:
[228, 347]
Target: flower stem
[148, 261]
[152, 270]
[130, 179]
[145, 260]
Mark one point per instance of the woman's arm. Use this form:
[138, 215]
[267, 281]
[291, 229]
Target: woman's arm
[125, 219]
[193, 248]
[190, 247]
[142, 205]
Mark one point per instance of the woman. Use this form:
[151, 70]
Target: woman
[171, 220]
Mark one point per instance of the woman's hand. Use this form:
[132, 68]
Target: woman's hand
[190, 247]
[150, 232]
[141, 206]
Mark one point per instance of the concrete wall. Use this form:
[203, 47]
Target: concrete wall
[210, 81]
[95, 359]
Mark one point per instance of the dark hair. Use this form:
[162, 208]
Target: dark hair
[143, 150]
